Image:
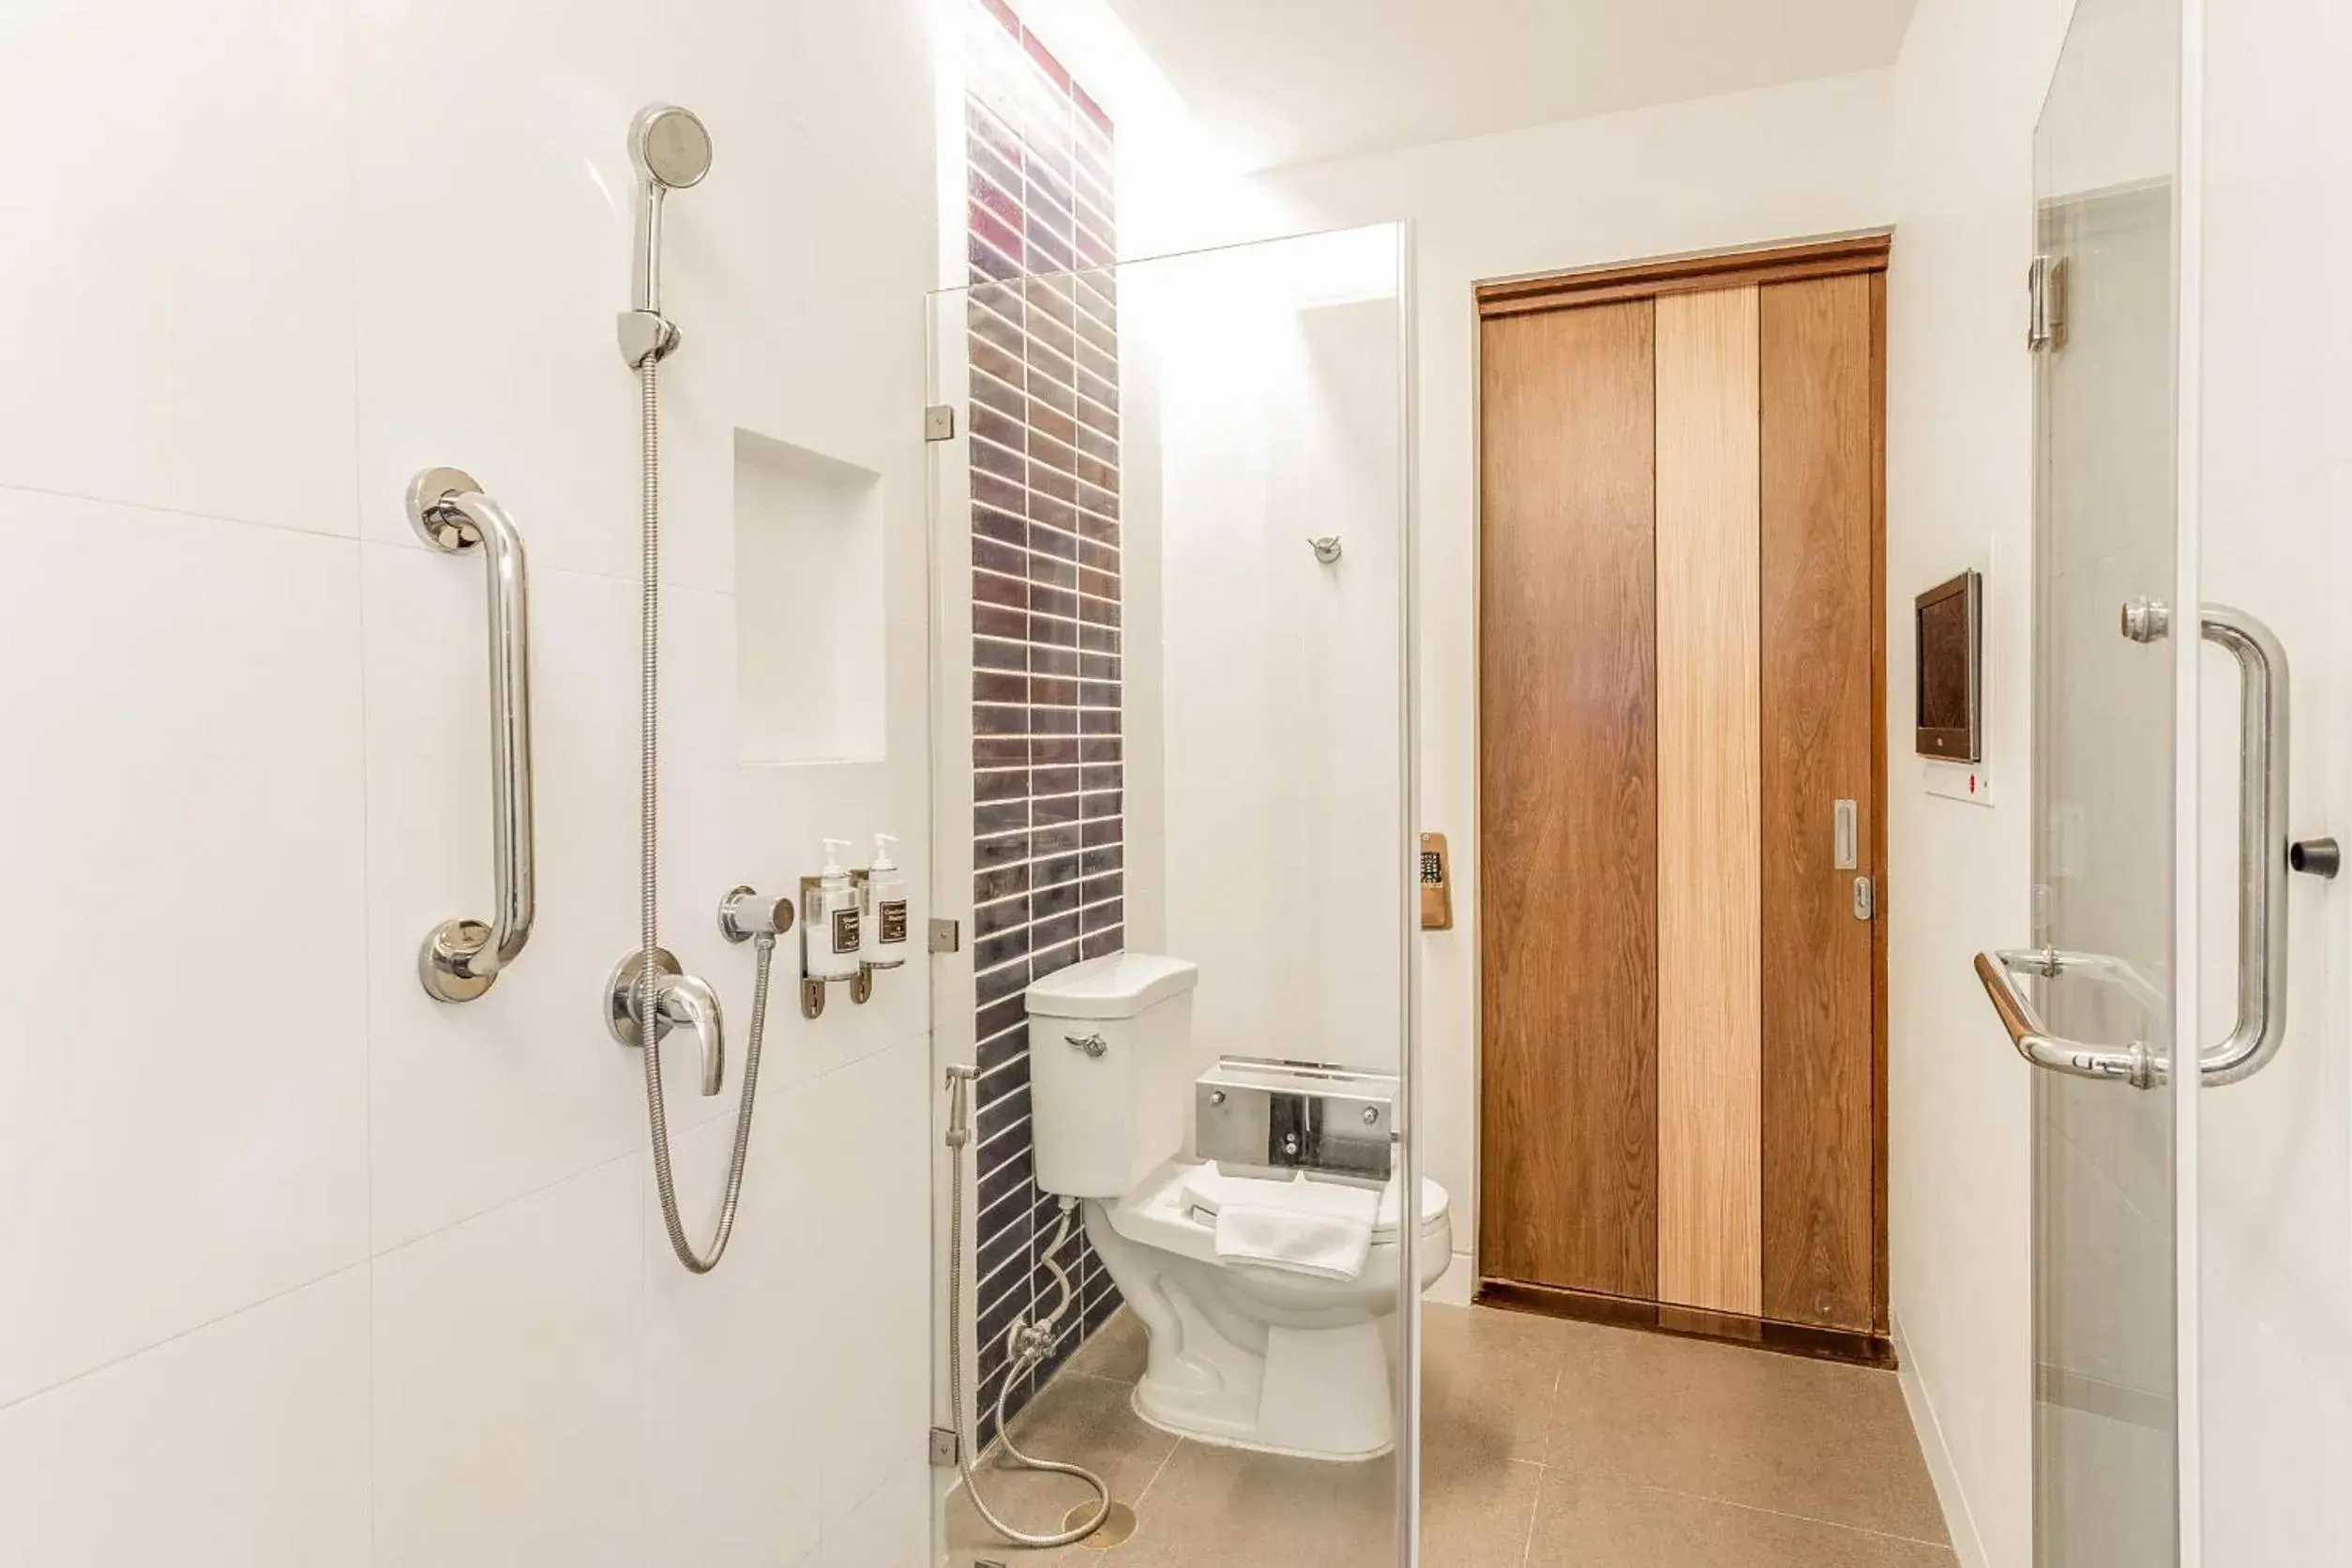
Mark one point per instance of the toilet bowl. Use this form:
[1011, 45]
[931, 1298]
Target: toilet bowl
[1256, 1357]
[1248, 1354]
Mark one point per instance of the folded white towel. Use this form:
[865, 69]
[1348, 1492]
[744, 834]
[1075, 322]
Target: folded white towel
[1309, 1227]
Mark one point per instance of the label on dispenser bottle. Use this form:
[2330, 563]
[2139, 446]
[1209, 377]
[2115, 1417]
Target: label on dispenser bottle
[845, 930]
[893, 921]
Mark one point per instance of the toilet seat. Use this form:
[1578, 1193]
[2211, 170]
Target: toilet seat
[1175, 1208]
[1208, 1189]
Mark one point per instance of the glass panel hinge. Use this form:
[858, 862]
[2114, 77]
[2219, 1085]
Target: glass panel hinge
[2045, 312]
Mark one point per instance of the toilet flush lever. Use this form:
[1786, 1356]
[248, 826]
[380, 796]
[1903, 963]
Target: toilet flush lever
[1093, 1044]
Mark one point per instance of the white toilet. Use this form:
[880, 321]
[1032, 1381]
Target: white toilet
[1248, 1354]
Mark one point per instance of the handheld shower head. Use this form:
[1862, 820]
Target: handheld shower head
[671, 149]
[670, 145]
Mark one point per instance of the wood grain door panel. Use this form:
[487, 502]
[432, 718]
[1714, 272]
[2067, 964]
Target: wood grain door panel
[1710, 893]
[1568, 756]
[1819, 467]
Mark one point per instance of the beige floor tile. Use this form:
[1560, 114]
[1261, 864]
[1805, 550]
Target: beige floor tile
[1487, 1381]
[1818, 1439]
[1084, 1421]
[1670, 1453]
[1228, 1508]
[1587, 1521]
[1477, 1514]
[1117, 1351]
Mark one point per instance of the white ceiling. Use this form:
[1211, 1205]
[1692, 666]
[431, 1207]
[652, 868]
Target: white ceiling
[1300, 81]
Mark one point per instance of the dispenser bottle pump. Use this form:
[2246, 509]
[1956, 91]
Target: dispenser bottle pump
[886, 908]
[834, 931]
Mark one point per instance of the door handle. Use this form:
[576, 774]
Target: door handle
[2134, 1064]
[1846, 835]
[2263, 865]
[2262, 860]
[2262, 872]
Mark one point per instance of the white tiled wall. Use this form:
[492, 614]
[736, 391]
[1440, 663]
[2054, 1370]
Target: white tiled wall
[304, 1268]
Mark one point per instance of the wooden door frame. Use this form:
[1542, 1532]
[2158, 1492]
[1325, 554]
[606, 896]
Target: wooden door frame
[1867, 252]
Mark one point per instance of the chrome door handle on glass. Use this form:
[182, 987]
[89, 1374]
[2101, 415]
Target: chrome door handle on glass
[2134, 1064]
[460, 958]
[2263, 867]
[2262, 860]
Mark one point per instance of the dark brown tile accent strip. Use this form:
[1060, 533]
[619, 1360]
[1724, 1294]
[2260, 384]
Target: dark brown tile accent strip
[1047, 834]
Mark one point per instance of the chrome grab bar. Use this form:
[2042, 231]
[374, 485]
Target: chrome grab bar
[460, 958]
[2262, 871]
[2262, 860]
[2134, 1064]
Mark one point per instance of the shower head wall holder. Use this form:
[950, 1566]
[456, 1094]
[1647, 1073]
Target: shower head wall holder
[645, 335]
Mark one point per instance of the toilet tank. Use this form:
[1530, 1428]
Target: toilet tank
[1110, 1071]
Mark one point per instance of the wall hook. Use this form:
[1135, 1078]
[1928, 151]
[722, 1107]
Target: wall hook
[1326, 549]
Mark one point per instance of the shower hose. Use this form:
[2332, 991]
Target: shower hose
[649, 878]
[1028, 1343]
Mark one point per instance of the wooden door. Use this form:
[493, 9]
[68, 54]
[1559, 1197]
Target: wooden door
[1820, 470]
[1567, 842]
[1681, 1079]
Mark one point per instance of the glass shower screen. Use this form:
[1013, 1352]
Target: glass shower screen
[1170, 721]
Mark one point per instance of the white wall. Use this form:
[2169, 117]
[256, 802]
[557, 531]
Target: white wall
[304, 1267]
[1751, 168]
[1960, 485]
[1266, 686]
[2274, 1196]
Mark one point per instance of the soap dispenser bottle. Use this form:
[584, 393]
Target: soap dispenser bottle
[886, 907]
[833, 930]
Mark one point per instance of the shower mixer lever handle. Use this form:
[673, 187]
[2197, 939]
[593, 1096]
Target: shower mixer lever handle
[680, 1000]
[688, 1000]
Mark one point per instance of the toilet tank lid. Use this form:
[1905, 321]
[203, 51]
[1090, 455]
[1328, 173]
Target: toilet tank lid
[1115, 986]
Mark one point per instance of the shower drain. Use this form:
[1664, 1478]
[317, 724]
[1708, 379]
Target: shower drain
[1117, 1525]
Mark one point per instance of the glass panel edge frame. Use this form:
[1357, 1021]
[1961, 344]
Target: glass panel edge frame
[1408, 1391]
[948, 1024]
[2188, 742]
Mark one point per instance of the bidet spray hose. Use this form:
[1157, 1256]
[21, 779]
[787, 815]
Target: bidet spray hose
[1031, 1343]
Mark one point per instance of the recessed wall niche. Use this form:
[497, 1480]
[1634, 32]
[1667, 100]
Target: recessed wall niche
[808, 606]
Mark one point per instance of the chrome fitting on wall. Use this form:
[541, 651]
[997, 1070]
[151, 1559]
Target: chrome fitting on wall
[460, 959]
[679, 998]
[819, 925]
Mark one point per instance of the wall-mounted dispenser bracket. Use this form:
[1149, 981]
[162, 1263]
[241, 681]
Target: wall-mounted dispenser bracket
[812, 988]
